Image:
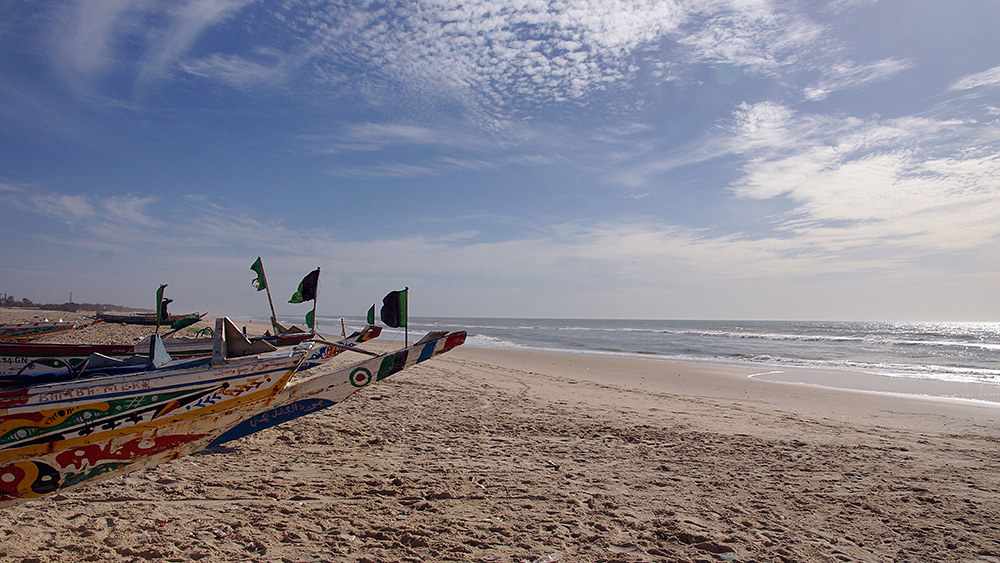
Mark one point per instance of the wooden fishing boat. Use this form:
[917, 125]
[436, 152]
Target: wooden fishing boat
[63, 430]
[24, 332]
[175, 321]
[17, 358]
[183, 347]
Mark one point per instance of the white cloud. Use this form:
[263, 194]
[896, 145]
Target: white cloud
[987, 78]
[85, 36]
[130, 210]
[216, 226]
[111, 217]
[899, 183]
[492, 58]
[396, 170]
[187, 22]
[378, 136]
[845, 5]
[61, 207]
[238, 71]
[95, 38]
[845, 75]
[849, 193]
[65, 207]
[752, 35]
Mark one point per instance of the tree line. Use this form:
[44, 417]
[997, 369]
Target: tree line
[11, 301]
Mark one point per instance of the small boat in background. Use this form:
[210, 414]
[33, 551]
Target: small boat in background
[173, 321]
[24, 332]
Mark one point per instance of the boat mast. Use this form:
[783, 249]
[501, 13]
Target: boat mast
[274, 318]
[315, 299]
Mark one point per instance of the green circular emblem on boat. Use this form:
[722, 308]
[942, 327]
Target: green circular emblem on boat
[361, 377]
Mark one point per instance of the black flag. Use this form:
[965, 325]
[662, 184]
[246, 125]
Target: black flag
[307, 288]
[394, 309]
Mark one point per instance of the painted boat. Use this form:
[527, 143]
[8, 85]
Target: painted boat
[194, 347]
[176, 321]
[23, 332]
[29, 358]
[58, 433]
[33, 357]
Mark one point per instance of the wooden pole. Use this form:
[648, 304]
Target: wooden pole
[315, 299]
[267, 288]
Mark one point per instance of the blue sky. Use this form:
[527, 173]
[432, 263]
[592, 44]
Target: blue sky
[739, 159]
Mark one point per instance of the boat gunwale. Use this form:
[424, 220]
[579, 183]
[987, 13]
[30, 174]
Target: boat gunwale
[13, 399]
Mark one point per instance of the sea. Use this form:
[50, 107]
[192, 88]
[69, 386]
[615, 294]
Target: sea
[948, 359]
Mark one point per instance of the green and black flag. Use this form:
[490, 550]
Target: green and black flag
[160, 309]
[261, 282]
[307, 292]
[371, 315]
[394, 308]
[307, 288]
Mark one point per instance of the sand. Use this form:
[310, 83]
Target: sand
[484, 455]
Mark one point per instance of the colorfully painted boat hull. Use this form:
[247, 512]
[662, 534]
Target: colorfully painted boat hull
[24, 332]
[58, 436]
[67, 464]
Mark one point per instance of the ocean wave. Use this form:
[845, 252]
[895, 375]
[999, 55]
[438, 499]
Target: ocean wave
[484, 341]
[887, 369]
[943, 351]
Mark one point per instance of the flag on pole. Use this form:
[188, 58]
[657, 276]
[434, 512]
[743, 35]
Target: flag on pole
[159, 304]
[310, 317]
[259, 283]
[307, 288]
[371, 315]
[394, 308]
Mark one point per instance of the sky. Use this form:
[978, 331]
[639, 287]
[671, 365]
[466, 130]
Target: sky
[672, 159]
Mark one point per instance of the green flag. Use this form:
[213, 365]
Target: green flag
[309, 319]
[160, 309]
[371, 315]
[307, 288]
[260, 283]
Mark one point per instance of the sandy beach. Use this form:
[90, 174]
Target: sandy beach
[500, 456]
